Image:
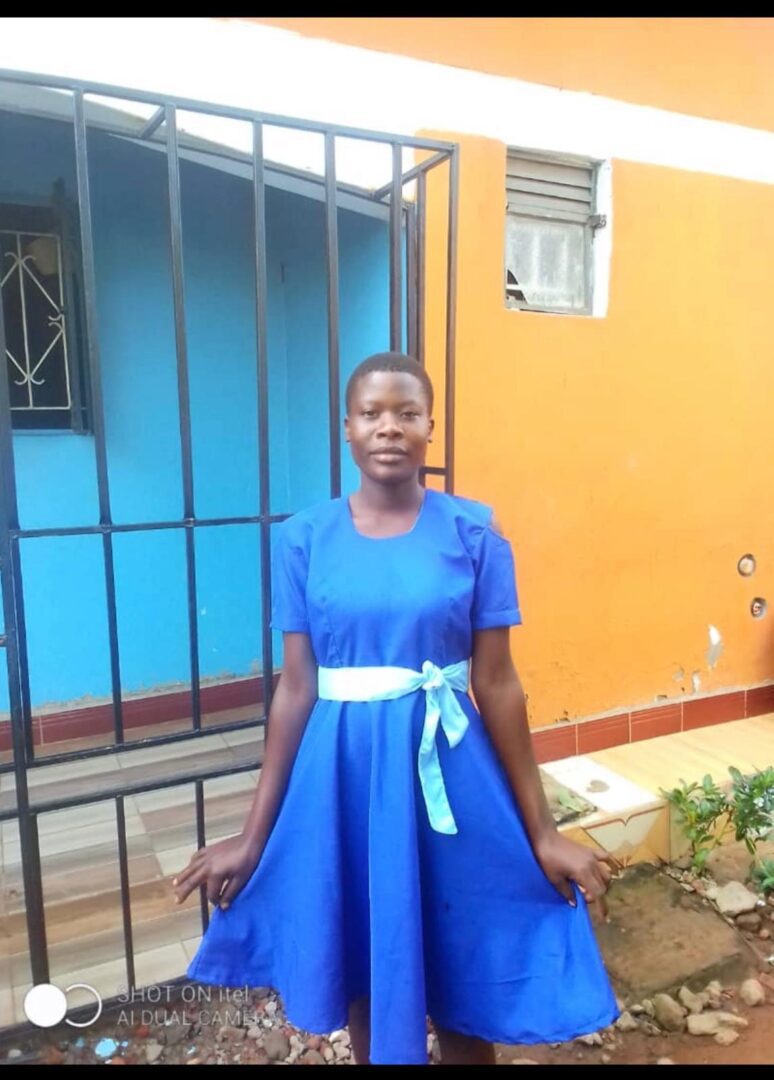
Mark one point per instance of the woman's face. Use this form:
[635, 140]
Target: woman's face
[388, 425]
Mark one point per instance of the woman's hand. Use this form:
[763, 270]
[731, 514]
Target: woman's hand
[223, 868]
[564, 861]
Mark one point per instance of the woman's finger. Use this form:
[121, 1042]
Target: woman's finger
[602, 902]
[193, 880]
[215, 883]
[591, 887]
[194, 863]
[605, 871]
[564, 886]
[232, 887]
[602, 876]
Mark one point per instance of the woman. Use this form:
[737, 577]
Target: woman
[389, 870]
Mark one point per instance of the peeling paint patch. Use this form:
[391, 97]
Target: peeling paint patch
[696, 682]
[715, 647]
[679, 675]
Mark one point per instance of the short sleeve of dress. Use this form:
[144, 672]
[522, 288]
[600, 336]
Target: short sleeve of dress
[289, 561]
[495, 597]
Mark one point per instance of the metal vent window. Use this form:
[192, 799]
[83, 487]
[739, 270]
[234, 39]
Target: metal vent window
[549, 233]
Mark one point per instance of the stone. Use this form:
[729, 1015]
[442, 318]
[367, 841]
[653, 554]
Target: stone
[734, 899]
[153, 1051]
[255, 1032]
[327, 1053]
[626, 1022]
[606, 1059]
[338, 1035]
[694, 1003]
[340, 1051]
[750, 921]
[703, 1024]
[314, 1042]
[711, 1023]
[669, 1014]
[665, 1061]
[726, 1037]
[175, 1033]
[312, 1057]
[523, 1061]
[752, 993]
[276, 1045]
[594, 1039]
[636, 1010]
[714, 994]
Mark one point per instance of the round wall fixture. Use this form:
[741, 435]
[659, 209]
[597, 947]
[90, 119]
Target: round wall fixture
[746, 565]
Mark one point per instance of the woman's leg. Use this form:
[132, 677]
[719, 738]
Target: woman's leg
[360, 1030]
[459, 1049]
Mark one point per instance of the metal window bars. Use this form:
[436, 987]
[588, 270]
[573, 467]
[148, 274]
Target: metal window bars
[410, 286]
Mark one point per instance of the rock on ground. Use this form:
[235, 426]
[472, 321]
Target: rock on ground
[669, 1014]
[735, 899]
[726, 1037]
[694, 1003]
[752, 993]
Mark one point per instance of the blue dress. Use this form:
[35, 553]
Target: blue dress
[355, 894]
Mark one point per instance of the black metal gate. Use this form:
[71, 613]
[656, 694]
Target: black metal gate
[406, 282]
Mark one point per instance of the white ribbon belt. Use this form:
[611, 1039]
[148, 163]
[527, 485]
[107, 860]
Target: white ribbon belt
[383, 683]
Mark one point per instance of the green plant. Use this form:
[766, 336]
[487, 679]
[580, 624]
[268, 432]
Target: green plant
[762, 873]
[752, 806]
[701, 809]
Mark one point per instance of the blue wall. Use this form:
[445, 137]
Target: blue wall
[63, 577]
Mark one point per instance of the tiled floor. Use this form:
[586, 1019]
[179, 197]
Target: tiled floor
[80, 868]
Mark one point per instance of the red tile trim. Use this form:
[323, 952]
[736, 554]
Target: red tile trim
[702, 712]
[559, 742]
[602, 734]
[760, 700]
[662, 720]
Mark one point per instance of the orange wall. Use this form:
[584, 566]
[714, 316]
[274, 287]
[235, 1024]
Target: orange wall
[631, 458]
[718, 68]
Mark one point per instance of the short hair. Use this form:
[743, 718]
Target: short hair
[390, 361]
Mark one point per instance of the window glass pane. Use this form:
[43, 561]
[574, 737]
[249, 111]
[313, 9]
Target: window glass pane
[545, 263]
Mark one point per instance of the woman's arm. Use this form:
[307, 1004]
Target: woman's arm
[226, 866]
[500, 698]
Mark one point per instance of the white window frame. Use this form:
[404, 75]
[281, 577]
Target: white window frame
[599, 227]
